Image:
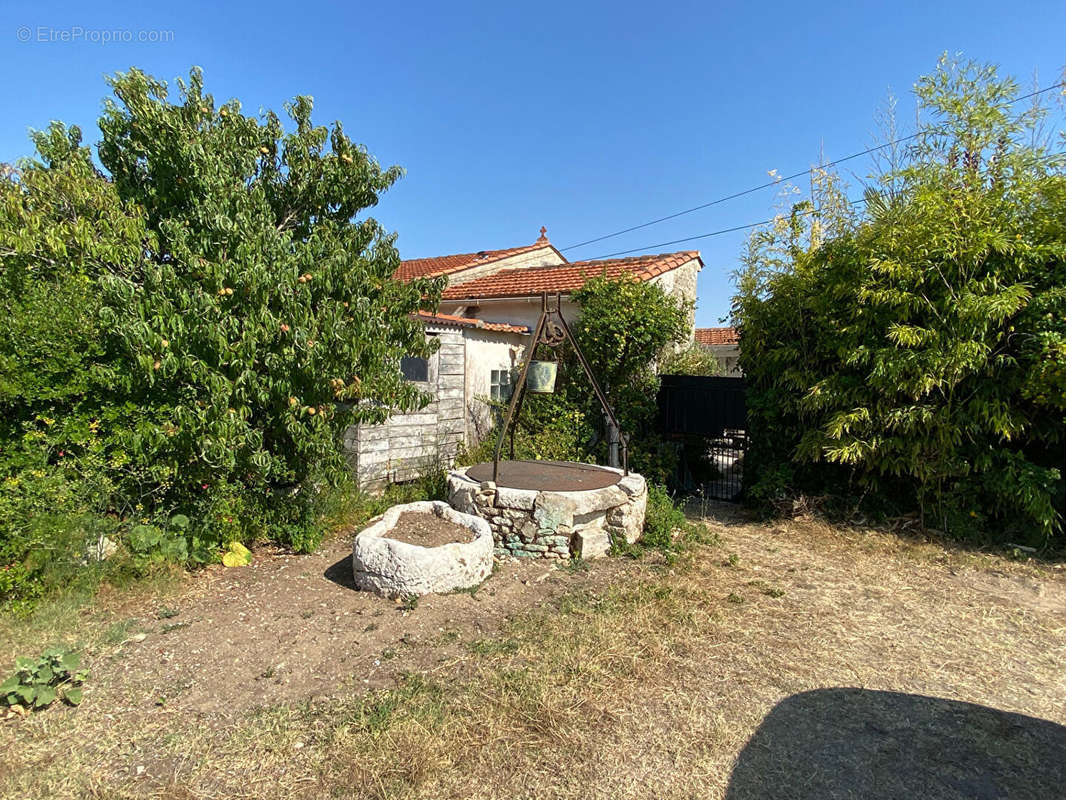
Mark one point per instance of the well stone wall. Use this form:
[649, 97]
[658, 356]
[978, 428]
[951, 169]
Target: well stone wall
[539, 524]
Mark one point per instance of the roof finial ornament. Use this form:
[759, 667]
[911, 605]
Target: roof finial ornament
[543, 234]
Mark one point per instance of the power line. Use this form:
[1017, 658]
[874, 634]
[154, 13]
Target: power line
[778, 181]
[718, 232]
[751, 225]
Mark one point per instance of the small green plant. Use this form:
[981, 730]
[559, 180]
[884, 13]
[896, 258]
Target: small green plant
[732, 560]
[448, 636]
[409, 602]
[167, 613]
[37, 683]
[692, 360]
[172, 541]
[577, 564]
[489, 647]
[664, 521]
[733, 597]
[470, 590]
[767, 589]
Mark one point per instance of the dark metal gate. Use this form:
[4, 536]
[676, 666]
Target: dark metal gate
[707, 417]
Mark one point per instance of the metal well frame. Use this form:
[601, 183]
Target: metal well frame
[552, 331]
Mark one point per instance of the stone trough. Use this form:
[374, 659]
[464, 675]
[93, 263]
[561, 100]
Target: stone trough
[552, 509]
[391, 567]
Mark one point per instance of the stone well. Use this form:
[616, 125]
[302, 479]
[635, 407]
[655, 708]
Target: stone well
[391, 567]
[552, 509]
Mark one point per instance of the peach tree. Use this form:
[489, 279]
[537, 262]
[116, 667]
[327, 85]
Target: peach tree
[262, 318]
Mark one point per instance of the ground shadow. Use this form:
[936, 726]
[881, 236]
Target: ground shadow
[853, 743]
[340, 573]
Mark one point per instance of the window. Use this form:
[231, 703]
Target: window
[415, 368]
[500, 384]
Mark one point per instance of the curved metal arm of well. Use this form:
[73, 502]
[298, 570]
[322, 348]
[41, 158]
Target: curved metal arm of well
[553, 333]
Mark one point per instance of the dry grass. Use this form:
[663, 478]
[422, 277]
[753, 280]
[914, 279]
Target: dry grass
[720, 676]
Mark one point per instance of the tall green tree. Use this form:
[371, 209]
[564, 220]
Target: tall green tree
[265, 320]
[913, 349]
[215, 299]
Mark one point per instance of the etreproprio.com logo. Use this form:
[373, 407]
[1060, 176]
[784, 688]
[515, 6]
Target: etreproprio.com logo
[48, 34]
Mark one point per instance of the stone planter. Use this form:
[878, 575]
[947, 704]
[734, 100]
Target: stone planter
[390, 567]
[528, 523]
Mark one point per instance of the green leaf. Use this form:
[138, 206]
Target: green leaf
[73, 695]
[46, 695]
[70, 661]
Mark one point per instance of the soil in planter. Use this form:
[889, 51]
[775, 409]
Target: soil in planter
[428, 530]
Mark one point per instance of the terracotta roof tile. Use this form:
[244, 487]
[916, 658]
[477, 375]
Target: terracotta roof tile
[443, 265]
[713, 336]
[565, 278]
[467, 322]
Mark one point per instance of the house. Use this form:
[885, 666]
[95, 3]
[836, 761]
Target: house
[483, 323]
[473, 361]
[724, 344]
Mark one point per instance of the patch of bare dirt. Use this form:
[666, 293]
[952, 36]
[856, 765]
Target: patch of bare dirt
[428, 530]
[293, 627]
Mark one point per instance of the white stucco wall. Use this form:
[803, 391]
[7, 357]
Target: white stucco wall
[486, 351]
[516, 311]
[681, 283]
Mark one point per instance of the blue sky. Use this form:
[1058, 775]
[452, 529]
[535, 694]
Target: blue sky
[584, 117]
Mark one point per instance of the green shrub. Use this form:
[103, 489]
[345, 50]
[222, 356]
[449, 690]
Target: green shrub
[913, 359]
[273, 319]
[37, 683]
[664, 521]
[691, 360]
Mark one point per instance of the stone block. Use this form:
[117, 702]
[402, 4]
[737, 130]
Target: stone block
[633, 485]
[522, 499]
[528, 530]
[631, 518]
[591, 543]
[553, 510]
